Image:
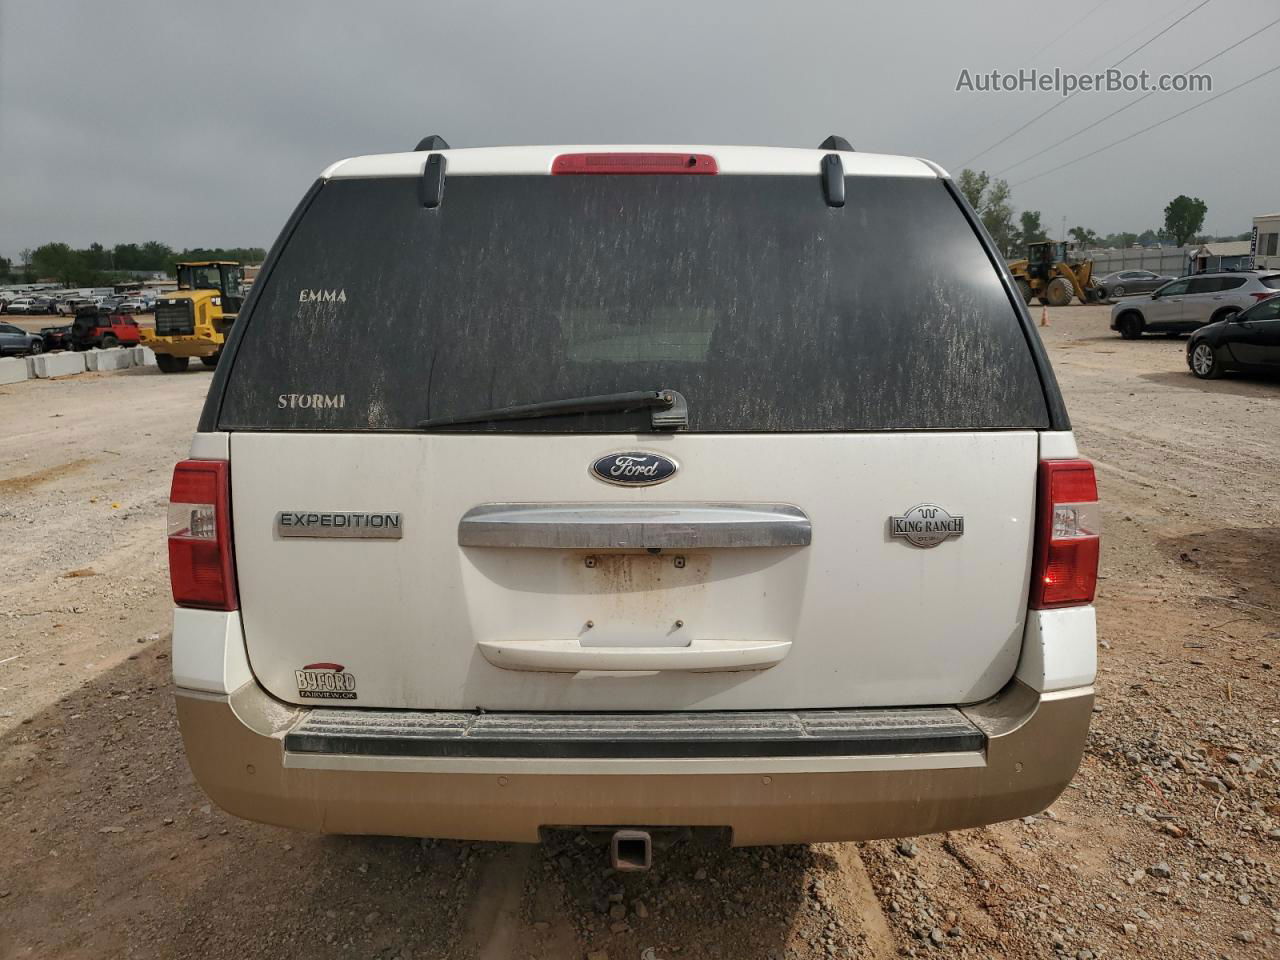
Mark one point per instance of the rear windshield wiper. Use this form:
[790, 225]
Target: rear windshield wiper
[670, 412]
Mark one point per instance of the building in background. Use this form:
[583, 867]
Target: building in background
[1266, 241]
[1212, 257]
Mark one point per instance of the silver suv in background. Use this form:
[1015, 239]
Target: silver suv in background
[1191, 302]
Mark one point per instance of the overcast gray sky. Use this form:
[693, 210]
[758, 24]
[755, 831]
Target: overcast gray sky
[203, 123]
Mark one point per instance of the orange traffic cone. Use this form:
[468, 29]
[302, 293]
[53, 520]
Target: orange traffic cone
[1044, 316]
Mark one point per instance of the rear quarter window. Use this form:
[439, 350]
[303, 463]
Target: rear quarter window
[768, 309]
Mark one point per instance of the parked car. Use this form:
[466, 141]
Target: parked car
[43, 305]
[68, 306]
[56, 338]
[762, 512]
[22, 305]
[16, 341]
[1248, 342]
[102, 327]
[1128, 282]
[1191, 302]
[135, 305]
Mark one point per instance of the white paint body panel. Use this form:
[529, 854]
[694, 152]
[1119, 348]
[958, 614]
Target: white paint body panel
[482, 161]
[1060, 649]
[208, 651]
[871, 620]
[1058, 445]
[210, 446]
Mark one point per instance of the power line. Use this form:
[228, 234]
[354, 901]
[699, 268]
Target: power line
[1159, 35]
[1077, 23]
[1158, 123]
[1134, 103]
[1117, 45]
[1057, 103]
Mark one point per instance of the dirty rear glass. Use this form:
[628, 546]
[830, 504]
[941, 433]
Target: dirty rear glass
[766, 308]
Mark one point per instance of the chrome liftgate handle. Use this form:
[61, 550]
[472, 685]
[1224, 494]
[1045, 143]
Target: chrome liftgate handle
[644, 526]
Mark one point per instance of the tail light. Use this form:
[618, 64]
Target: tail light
[200, 565]
[1064, 571]
[634, 163]
[1263, 295]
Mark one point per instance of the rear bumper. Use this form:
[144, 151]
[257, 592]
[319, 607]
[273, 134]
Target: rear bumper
[1033, 742]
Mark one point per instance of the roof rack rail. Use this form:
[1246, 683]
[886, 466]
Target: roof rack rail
[833, 179]
[835, 143]
[432, 141]
[433, 172]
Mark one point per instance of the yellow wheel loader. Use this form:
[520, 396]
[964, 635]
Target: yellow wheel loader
[1054, 274]
[194, 320]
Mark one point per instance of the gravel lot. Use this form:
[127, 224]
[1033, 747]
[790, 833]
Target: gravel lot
[1167, 844]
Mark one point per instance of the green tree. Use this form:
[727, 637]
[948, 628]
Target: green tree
[1120, 240]
[1031, 230]
[59, 262]
[1083, 236]
[157, 256]
[991, 199]
[1183, 218]
[126, 256]
[96, 257]
[6, 269]
[973, 186]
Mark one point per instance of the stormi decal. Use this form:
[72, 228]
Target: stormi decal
[322, 296]
[311, 401]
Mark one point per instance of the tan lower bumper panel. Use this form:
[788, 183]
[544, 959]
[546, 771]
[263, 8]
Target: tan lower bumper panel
[1034, 743]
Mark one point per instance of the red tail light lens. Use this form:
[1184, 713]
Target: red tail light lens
[1064, 571]
[634, 163]
[1264, 295]
[200, 566]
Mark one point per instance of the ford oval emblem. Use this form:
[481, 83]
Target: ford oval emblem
[634, 469]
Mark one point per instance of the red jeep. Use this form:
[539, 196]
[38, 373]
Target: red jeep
[99, 327]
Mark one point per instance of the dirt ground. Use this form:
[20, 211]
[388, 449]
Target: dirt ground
[1166, 844]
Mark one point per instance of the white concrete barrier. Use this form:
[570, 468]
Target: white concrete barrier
[119, 358]
[57, 364]
[143, 357]
[13, 370]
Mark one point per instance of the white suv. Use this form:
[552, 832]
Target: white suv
[634, 487]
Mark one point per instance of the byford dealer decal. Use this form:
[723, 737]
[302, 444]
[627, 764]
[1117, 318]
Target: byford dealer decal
[325, 681]
[634, 469]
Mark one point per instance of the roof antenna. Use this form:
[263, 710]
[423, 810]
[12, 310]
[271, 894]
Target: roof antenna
[436, 142]
[835, 143]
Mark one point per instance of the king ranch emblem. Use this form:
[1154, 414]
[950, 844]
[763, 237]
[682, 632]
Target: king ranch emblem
[325, 681]
[926, 525]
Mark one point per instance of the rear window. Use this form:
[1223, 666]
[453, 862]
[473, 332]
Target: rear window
[768, 309]
[1272, 282]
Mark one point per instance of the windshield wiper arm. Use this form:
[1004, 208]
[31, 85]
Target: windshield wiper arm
[670, 411]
